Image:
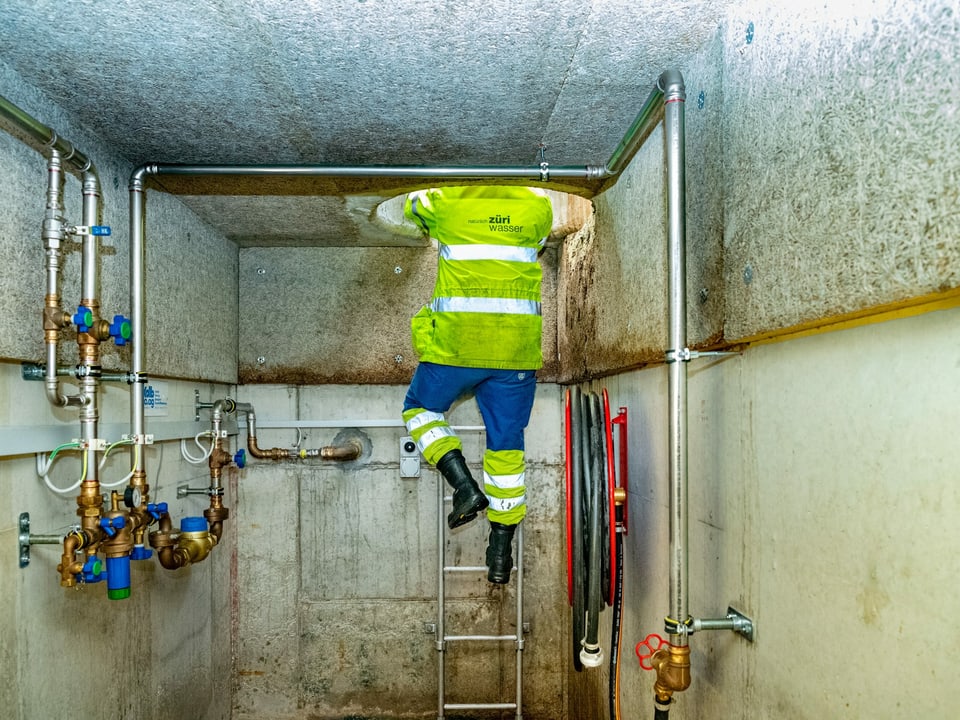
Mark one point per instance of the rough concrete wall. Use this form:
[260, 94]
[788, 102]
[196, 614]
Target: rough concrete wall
[613, 284]
[165, 651]
[342, 315]
[841, 162]
[335, 628]
[191, 274]
[821, 181]
[819, 507]
[838, 183]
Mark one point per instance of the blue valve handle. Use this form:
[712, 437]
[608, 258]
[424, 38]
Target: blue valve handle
[83, 319]
[156, 510]
[99, 229]
[110, 526]
[92, 570]
[120, 329]
[240, 458]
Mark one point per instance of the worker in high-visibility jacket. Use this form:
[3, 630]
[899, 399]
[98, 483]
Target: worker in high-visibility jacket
[480, 334]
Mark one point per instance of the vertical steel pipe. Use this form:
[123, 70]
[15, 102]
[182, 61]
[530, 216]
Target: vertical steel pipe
[53, 320]
[671, 82]
[90, 297]
[137, 264]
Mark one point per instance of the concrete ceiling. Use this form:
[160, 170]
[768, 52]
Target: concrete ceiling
[426, 83]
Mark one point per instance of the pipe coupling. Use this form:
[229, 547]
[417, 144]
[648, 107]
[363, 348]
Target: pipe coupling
[672, 664]
[349, 451]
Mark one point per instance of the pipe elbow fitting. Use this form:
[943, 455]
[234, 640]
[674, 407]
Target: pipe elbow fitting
[672, 664]
[350, 451]
[69, 566]
[266, 453]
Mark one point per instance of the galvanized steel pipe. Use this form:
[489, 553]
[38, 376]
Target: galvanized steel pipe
[674, 98]
[45, 136]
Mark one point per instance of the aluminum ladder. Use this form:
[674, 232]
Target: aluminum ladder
[442, 638]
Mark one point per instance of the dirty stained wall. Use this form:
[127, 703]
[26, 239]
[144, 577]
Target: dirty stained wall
[821, 182]
[811, 193]
[337, 570]
[165, 651]
[818, 467]
[612, 277]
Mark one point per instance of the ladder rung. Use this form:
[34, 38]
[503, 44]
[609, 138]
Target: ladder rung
[479, 706]
[455, 638]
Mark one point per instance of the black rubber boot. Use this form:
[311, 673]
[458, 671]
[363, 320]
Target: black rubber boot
[499, 556]
[468, 499]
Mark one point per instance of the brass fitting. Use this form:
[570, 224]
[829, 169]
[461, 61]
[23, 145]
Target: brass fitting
[90, 507]
[219, 458]
[265, 454]
[672, 664]
[138, 515]
[215, 515]
[54, 319]
[69, 566]
[195, 546]
[122, 541]
[351, 451]
[179, 549]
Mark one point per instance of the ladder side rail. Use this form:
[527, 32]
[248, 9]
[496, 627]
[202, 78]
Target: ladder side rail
[519, 631]
[441, 610]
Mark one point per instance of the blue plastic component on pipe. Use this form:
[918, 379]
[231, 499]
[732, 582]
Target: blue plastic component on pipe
[141, 553]
[83, 318]
[193, 524]
[120, 329]
[99, 229]
[240, 458]
[155, 510]
[110, 526]
[118, 577]
[92, 570]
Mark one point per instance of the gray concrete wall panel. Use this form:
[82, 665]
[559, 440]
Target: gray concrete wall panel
[191, 273]
[840, 159]
[342, 315]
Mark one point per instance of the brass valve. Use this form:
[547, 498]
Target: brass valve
[672, 664]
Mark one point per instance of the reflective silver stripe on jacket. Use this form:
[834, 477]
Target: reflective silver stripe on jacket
[509, 253]
[507, 306]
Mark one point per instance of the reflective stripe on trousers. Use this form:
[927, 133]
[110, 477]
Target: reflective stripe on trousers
[504, 476]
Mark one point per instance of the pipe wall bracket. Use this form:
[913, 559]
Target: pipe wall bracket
[25, 539]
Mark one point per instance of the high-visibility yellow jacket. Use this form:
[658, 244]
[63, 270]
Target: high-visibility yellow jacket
[485, 310]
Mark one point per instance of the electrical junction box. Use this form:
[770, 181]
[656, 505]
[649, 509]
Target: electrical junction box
[409, 458]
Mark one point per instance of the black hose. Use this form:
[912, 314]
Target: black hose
[577, 428]
[594, 563]
[661, 710]
[616, 635]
